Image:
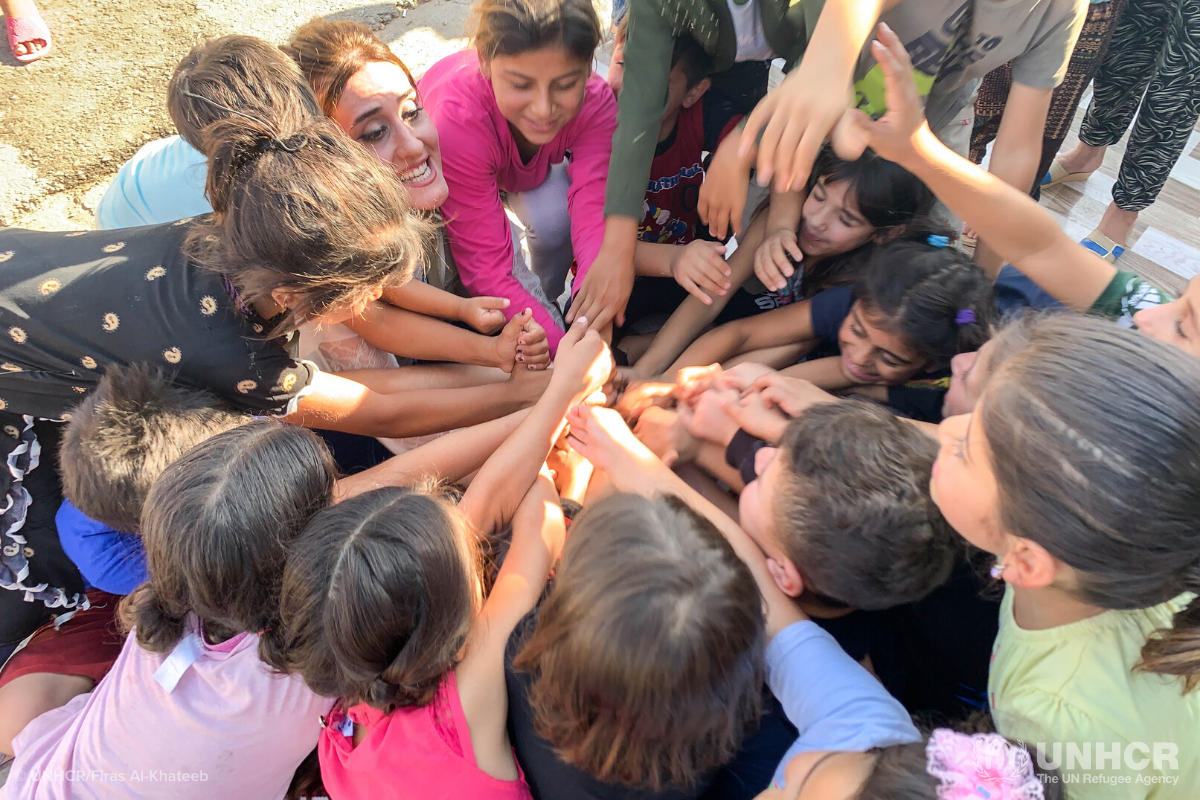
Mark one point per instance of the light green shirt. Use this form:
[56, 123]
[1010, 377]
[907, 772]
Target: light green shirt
[1071, 691]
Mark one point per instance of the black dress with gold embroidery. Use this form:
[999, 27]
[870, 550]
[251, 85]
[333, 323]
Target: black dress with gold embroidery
[70, 305]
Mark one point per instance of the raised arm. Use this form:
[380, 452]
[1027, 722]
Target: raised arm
[1008, 219]
[584, 365]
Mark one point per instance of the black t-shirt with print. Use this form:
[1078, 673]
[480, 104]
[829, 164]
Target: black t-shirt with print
[73, 303]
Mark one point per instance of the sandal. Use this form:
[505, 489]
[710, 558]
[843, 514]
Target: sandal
[1103, 246]
[24, 30]
[1058, 174]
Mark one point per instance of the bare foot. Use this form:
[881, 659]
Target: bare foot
[1117, 224]
[1084, 158]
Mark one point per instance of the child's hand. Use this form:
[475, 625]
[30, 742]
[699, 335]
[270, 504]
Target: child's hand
[893, 135]
[532, 348]
[723, 193]
[793, 396]
[636, 396]
[584, 363]
[603, 438]
[771, 263]
[797, 114]
[656, 429]
[506, 343]
[709, 419]
[753, 414]
[691, 382]
[700, 267]
[741, 376]
[484, 314]
[571, 472]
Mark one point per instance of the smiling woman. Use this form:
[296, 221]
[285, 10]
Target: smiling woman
[522, 114]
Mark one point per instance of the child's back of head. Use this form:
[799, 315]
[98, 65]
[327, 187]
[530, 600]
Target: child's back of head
[120, 439]
[852, 509]
[647, 657]
[234, 75]
[1092, 433]
[378, 598]
[217, 525]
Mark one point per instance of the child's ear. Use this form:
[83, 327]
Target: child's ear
[286, 298]
[889, 234]
[696, 92]
[786, 576]
[1029, 565]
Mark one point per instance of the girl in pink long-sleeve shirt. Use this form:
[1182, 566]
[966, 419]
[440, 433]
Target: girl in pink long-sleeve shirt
[520, 102]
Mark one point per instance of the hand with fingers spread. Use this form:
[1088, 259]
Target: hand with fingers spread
[723, 193]
[792, 396]
[606, 287]
[584, 362]
[893, 135]
[533, 350]
[777, 258]
[484, 314]
[700, 267]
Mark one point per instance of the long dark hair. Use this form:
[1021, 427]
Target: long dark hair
[378, 598]
[216, 527]
[893, 200]
[1114, 415]
[512, 27]
[330, 53]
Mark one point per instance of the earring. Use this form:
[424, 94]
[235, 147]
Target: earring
[998, 570]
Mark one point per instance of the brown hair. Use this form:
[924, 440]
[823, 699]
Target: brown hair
[245, 75]
[378, 598]
[1093, 431]
[512, 27]
[121, 438]
[647, 658]
[300, 206]
[853, 511]
[217, 525]
[330, 53]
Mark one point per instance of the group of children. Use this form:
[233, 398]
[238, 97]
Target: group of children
[810, 513]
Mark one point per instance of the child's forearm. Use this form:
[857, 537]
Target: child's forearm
[680, 330]
[653, 260]
[425, 376]
[714, 347]
[824, 373]
[412, 335]
[1016, 227]
[785, 210]
[425, 299]
[711, 459]
[451, 458]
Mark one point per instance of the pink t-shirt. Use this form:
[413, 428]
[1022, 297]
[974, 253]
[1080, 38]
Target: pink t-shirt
[213, 722]
[480, 159]
[413, 752]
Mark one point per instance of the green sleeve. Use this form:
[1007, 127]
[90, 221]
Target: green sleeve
[1125, 295]
[643, 100]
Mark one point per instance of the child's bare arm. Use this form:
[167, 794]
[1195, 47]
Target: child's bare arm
[537, 540]
[583, 365]
[781, 326]
[604, 439]
[693, 316]
[451, 457]
[483, 314]
[824, 373]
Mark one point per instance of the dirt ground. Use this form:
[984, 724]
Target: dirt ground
[68, 121]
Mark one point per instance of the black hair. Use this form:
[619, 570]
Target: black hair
[934, 296]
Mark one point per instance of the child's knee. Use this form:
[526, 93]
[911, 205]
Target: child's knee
[30, 696]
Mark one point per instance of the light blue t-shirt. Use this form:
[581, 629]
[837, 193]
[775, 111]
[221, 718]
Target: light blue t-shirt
[834, 703]
[163, 182]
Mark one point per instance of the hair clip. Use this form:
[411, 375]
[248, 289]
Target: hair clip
[938, 241]
[966, 317]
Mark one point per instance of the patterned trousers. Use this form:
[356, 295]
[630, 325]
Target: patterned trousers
[1093, 43]
[1155, 52]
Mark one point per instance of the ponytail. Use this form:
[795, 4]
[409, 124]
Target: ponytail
[1176, 650]
[300, 206]
[159, 627]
